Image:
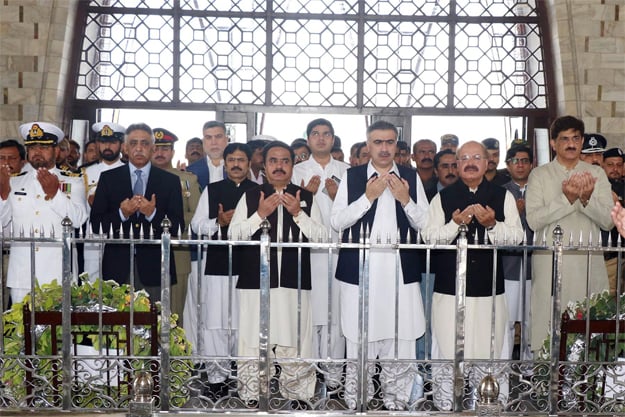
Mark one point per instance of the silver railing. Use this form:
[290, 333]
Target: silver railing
[71, 381]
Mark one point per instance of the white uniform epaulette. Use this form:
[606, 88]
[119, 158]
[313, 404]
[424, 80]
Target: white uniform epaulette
[19, 174]
[71, 174]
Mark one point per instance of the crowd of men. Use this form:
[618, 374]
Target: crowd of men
[304, 190]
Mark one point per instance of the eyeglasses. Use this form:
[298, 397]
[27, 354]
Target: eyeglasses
[476, 157]
[448, 166]
[575, 139]
[516, 161]
[301, 157]
[316, 134]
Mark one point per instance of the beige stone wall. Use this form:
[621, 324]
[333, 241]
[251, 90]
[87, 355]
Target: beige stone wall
[35, 38]
[589, 44]
[588, 38]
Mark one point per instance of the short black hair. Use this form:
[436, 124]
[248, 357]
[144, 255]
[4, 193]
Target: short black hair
[360, 145]
[237, 146]
[519, 148]
[299, 143]
[402, 146]
[214, 123]
[439, 155]
[319, 122]
[278, 144]
[255, 144]
[565, 123]
[193, 140]
[382, 125]
[10, 143]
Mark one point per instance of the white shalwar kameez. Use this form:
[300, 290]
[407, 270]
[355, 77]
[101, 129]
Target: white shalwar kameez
[297, 380]
[397, 381]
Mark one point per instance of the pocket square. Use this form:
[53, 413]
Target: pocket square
[302, 204]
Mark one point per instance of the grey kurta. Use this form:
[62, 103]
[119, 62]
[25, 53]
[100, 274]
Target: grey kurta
[546, 207]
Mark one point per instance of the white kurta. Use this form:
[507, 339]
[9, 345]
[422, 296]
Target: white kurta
[283, 303]
[546, 207]
[382, 266]
[28, 210]
[304, 171]
[478, 309]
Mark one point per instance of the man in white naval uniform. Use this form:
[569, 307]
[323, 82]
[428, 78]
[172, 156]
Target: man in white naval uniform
[291, 212]
[39, 200]
[320, 175]
[109, 138]
[382, 198]
[490, 213]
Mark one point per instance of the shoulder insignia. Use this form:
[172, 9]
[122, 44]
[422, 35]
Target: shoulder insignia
[71, 174]
[19, 174]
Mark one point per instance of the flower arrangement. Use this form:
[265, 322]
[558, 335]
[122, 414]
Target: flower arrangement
[88, 296]
[601, 306]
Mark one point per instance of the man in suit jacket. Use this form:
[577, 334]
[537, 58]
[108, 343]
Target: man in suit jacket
[211, 168]
[137, 197]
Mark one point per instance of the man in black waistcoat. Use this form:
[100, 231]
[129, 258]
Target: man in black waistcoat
[291, 211]
[382, 198]
[490, 212]
[216, 296]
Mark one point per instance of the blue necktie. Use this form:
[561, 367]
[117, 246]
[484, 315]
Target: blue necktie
[138, 188]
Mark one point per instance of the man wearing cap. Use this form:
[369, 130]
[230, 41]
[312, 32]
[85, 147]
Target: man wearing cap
[163, 154]
[109, 138]
[492, 174]
[449, 141]
[593, 148]
[38, 201]
[613, 166]
[574, 195]
[136, 198]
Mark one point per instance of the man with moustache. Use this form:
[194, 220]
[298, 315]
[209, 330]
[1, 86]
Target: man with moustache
[36, 202]
[382, 198]
[491, 215]
[291, 212]
[211, 169]
[109, 138]
[194, 151]
[212, 218]
[164, 141]
[445, 168]
[320, 175]
[613, 166]
[135, 198]
[593, 148]
[499, 177]
[576, 196]
[519, 161]
[423, 152]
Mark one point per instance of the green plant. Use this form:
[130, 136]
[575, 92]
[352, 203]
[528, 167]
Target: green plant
[88, 296]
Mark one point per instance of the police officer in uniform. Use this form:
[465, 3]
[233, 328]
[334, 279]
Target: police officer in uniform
[39, 200]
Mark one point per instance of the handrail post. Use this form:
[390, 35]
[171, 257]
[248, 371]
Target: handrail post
[165, 313]
[555, 319]
[461, 281]
[66, 311]
[264, 366]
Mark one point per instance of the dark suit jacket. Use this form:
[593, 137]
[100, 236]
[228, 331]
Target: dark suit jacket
[200, 169]
[114, 186]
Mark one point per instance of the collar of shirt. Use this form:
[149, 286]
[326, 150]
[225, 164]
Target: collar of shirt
[145, 171]
[371, 170]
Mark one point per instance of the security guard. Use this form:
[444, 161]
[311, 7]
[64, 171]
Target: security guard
[36, 202]
[163, 154]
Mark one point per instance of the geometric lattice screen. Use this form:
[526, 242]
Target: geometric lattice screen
[357, 53]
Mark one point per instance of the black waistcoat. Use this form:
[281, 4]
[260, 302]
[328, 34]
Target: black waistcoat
[249, 265]
[479, 262]
[226, 193]
[347, 267]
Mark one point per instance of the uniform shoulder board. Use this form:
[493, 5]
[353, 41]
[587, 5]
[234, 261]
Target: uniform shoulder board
[19, 174]
[71, 174]
[88, 164]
